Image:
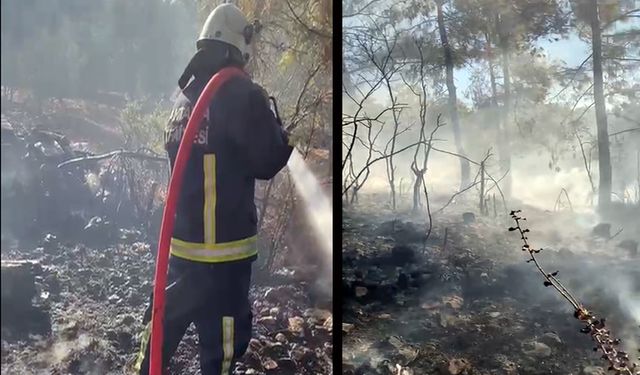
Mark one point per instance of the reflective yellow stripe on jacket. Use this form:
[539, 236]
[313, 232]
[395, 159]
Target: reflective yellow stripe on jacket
[221, 252]
[209, 251]
[210, 197]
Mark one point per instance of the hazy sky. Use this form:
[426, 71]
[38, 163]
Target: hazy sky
[571, 50]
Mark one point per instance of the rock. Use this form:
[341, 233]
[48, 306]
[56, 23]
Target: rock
[453, 301]
[494, 314]
[630, 245]
[468, 218]
[296, 324]
[20, 316]
[18, 282]
[346, 327]
[269, 364]
[551, 339]
[593, 370]
[361, 291]
[447, 320]
[280, 337]
[537, 349]
[401, 255]
[458, 366]
[320, 315]
[602, 230]
[328, 324]
[403, 370]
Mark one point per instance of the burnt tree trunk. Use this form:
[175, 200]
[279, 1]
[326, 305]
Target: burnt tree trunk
[604, 157]
[391, 169]
[416, 193]
[505, 152]
[419, 174]
[452, 100]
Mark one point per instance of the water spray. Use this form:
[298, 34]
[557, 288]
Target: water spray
[316, 203]
[168, 215]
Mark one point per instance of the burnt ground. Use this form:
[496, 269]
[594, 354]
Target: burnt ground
[78, 262]
[475, 306]
[96, 297]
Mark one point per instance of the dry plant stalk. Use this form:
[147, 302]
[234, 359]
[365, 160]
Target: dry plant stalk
[618, 360]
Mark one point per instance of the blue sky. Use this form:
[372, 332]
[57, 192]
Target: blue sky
[571, 50]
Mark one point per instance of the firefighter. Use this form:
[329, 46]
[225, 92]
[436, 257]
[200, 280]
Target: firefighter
[214, 239]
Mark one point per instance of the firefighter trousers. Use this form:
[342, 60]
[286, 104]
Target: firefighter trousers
[215, 297]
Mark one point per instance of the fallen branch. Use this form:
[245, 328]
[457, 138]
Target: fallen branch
[595, 327]
[123, 153]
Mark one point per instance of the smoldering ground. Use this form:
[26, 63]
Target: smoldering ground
[476, 298]
[464, 300]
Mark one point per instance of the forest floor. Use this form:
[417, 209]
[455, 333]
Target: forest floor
[85, 316]
[472, 305]
[95, 298]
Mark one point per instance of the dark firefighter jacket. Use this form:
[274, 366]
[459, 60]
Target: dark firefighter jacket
[239, 141]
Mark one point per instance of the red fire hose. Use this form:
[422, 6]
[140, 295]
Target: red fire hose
[168, 216]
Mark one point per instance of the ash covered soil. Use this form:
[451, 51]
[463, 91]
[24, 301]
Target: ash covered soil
[96, 297]
[77, 264]
[473, 305]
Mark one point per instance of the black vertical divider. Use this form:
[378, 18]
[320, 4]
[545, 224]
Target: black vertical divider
[337, 184]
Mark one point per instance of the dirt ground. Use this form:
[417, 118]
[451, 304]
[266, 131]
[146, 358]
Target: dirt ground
[96, 298]
[472, 305]
[77, 304]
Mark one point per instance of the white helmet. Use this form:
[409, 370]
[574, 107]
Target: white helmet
[227, 24]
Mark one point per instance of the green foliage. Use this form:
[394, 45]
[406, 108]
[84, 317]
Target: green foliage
[143, 129]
